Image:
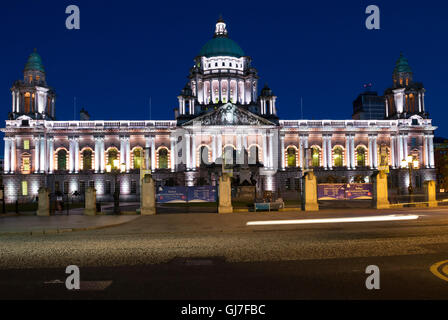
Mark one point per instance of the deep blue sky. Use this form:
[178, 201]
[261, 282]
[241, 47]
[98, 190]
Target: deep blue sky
[128, 51]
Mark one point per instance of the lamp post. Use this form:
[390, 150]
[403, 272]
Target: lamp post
[411, 164]
[116, 169]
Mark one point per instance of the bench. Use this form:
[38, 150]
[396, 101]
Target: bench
[267, 206]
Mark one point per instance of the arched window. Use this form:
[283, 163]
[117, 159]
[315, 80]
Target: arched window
[360, 156]
[204, 155]
[87, 159]
[229, 155]
[112, 154]
[315, 157]
[291, 154]
[384, 155]
[62, 159]
[163, 158]
[253, 155]
[138, 158]
[338, 157]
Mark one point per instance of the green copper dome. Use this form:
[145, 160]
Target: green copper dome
[221, 46]
[34, 62]
[402, 65]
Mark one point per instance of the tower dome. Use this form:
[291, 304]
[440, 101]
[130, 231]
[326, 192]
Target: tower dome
[34, 63]
[221, 44]
[402, 65]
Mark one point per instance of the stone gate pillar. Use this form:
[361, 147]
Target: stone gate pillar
[90, 199]
[148, 196]
[380, 193]
[310, 192]
[225, 194]
[430, 193]
[44, 202]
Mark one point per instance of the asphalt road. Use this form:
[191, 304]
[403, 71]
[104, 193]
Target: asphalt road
[326, 261]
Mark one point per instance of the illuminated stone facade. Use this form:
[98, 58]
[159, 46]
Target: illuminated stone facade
[220, 116]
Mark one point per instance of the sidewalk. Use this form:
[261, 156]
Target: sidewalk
[32, 225]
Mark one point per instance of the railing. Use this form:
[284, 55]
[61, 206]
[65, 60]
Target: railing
[109, 124]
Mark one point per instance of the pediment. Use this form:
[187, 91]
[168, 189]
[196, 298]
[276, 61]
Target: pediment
[230, 115]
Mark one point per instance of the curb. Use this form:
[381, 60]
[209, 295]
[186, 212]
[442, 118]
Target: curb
[63, 230]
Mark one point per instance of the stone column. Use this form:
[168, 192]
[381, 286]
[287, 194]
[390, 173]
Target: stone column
[375, 152]
[128, 154]
[431, 151]
[239, 152]
[36, 154]
[219, 151]
[42, 154]
[213, 147]
[97, 155]
[282, 150]
[76, 154]
[50, 155]
[102, 162]
[147, 148]
[301, 153]
[265, 154]
[370, 152]
[400, 150]
[13, 154]
[347, 152]
[392, 151]
[122, 150]
[225, 195]
[324, 152]
[405, 146]
[148, 202]
[271, 150]
[352, 151]
[188, 151]
[193, 157]
[330, 153]
[425, 151]
[310, 192]
[7, 155]
[153, 153]
[90, 200]
[44, 202]
[305, 141]
[380, 194]
[172, 154]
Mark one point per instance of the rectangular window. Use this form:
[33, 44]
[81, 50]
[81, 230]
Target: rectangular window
[24, 188]
[57, 187]
[66, 187]
[92, 184]
[108, 187]
[133, 187]
[82, 187]
[26, 144]
[26, 169]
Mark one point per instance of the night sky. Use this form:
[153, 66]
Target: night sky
[129, 51]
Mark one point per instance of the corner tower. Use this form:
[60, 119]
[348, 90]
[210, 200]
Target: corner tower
[405, 98]
[32, 96]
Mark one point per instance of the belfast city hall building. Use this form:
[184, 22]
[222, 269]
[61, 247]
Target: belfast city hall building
[223, 121]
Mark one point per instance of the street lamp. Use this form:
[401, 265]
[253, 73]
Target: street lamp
[411, 164]
[116, 169]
